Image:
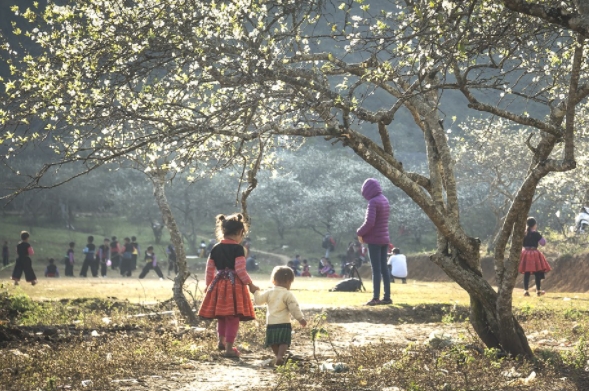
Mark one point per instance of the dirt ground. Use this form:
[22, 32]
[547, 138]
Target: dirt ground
[251, 372]
[402, 326]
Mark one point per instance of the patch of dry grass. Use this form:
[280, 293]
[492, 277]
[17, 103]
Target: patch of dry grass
[101, 361]
[136, 348]
[421, 368]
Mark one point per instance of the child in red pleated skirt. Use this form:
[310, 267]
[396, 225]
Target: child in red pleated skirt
[228, 284]
[532, 261]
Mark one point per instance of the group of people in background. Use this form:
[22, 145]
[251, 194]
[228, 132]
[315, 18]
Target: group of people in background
[96, 260]
[111, 254]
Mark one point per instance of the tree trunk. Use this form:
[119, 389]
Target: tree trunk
[158, 180]
[490, 315]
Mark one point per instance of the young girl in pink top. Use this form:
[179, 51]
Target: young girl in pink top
[227, 297]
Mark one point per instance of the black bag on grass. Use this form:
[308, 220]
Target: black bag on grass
[347, 285]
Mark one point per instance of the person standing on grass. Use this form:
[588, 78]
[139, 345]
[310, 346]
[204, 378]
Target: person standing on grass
[227, 298]
[115, 253]
[375, 232]
[24, 252]
[328, 244]
[68, 260]
[281, 305]
[51, 269]
[103, 256]
[5, 254]
[203, 249]
[89, 259]
[127, 258]
[296, 265]
[532, 261]
[172, 261]
[212, 242]
[151, 263]
[135, 253]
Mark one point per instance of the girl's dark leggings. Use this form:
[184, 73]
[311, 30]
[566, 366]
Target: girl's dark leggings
[527, 280]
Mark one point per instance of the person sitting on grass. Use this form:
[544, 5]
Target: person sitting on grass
[306, 269]
[151, 263]
[327, 268]
[51, 270]
[398, 264]
[281, 305]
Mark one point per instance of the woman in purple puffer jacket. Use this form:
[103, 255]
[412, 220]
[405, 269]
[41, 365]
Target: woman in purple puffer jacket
[375, 233]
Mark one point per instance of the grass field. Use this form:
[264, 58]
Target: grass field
[309, 291]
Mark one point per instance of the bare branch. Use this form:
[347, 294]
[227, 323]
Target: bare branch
[529, 145]
[555, 15]
[386, 140]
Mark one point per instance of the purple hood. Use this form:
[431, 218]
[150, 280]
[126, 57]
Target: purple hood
[371, 188]
[375, 229]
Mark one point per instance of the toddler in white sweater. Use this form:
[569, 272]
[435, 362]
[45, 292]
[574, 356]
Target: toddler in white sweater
[281, 305]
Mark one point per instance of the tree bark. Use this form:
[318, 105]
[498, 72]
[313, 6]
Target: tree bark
[491, 319]
[158, 179]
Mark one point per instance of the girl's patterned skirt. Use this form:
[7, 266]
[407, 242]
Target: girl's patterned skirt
[227, 296]
[278, 334]
[533, 261]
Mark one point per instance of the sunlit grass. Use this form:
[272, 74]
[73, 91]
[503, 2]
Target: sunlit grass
[309, 291]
